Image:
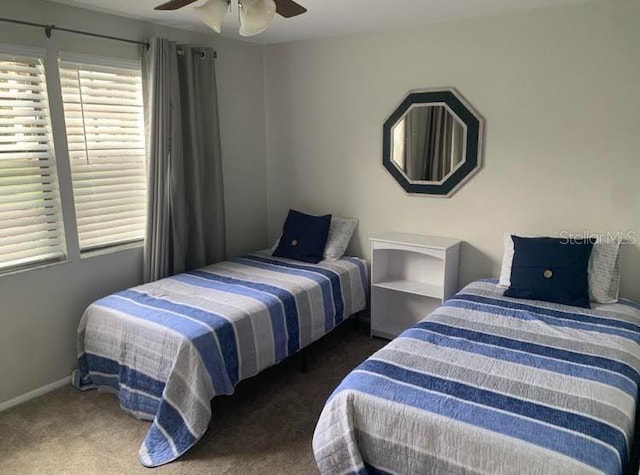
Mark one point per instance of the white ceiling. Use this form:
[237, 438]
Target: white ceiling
[326, 18]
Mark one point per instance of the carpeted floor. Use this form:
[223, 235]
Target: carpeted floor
[266, 427]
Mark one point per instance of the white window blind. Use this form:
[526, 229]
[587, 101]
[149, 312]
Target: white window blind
[30, 219]
[105, 132]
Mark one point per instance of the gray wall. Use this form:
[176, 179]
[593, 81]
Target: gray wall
[40, 309]
[558, 88]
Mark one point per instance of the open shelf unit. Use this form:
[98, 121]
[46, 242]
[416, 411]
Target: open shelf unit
[411, 275]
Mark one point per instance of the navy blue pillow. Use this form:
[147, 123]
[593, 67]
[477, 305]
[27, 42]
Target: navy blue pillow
[303, 237]
[551, 269]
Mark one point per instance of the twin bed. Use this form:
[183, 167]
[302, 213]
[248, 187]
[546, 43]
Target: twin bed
[485, 384]
[490, 384]
[168, 347]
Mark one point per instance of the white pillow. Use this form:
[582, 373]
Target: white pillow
[340, 233]
[604, 272]
[507, 260]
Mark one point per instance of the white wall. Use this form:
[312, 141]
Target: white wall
[40, 309]
[559, 91]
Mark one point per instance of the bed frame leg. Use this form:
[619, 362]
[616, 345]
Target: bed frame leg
[303, 361]
[634, 459]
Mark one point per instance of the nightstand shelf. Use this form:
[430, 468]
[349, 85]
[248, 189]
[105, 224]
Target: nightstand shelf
[411, 275]
[413, 287]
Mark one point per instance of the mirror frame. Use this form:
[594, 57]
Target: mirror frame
[465, 113]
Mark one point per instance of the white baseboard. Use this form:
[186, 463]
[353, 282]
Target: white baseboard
[34, 394]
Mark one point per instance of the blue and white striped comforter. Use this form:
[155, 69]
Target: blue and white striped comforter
[488, 384]
[167, 348]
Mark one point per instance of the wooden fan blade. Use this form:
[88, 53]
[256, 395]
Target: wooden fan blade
[289, 8]
[174, 4]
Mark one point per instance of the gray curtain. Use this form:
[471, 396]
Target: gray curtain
[433, 140]
[439, 130]
[417, 122]
[185, 223]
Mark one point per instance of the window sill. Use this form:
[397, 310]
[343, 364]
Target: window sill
[44, 265]
[111, 249]
[85, 255]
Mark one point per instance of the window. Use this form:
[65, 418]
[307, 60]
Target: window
[30, 218]
[105, 132]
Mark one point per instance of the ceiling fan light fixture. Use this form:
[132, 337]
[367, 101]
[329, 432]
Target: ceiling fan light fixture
[212, 13]
[256, 16]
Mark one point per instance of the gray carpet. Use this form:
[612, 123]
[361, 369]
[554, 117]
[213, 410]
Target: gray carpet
[266, 427]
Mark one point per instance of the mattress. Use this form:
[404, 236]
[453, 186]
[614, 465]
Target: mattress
[488, 384]
[168, 347]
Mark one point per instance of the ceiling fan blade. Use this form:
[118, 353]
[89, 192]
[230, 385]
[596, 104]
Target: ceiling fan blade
[289, 8]
[174, 4]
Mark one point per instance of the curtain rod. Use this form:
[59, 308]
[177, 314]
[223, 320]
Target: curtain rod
[49, 28]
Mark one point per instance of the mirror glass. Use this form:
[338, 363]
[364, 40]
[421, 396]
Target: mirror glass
[428, 143]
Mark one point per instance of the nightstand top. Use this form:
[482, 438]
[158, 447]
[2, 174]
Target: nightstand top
[420, 240]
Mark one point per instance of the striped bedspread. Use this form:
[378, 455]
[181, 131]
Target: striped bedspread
[167, 348]
[488, 384]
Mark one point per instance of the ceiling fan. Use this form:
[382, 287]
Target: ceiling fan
[255, 15]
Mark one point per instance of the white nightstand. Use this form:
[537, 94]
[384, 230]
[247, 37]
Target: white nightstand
[411, 275]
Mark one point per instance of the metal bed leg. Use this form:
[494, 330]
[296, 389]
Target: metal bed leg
[303, 361]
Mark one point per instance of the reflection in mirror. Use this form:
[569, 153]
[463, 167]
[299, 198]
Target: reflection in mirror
[428, 143]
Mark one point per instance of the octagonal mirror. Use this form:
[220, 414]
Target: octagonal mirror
[433, 142]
